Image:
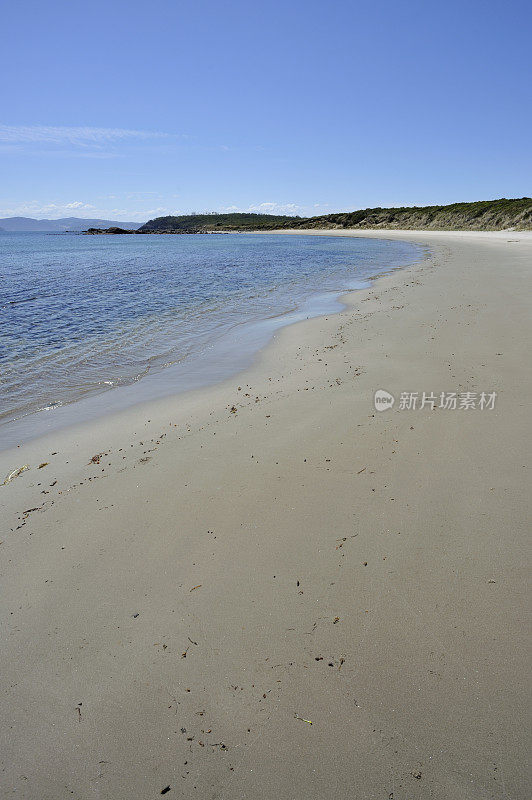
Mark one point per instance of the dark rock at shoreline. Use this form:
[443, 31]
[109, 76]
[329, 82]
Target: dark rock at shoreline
[96, 231]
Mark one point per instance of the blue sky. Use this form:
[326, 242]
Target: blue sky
[131, 110]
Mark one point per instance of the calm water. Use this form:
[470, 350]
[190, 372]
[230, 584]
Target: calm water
[80, 315]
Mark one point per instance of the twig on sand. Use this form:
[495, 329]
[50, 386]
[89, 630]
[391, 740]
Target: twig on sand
[15, 473]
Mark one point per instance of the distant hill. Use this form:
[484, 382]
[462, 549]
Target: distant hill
[480, 216]
[22, 224]
[203, 223]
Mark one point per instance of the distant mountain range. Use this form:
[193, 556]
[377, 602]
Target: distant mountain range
[22, 224]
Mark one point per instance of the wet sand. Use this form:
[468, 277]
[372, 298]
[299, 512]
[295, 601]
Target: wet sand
[267, 588]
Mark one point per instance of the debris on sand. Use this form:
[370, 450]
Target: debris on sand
[308, 721]
[96, 459]
[166, 789]
[196, 587]
[15, 473]
[29, 510]
[44, 464]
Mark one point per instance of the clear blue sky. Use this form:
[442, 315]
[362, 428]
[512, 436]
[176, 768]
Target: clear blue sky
[131, 110]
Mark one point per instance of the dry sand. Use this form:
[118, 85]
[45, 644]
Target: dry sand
[167, 612]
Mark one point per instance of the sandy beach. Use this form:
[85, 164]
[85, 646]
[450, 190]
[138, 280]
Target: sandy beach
[269, 589]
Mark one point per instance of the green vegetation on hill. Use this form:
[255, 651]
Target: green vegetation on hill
[481, 216]
[203, 223]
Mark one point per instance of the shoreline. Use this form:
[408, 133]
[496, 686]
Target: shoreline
[219, 359]
[234, 573]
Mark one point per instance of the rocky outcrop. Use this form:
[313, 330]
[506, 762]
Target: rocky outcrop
[97, 231]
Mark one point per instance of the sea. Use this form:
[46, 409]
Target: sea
[90, 324]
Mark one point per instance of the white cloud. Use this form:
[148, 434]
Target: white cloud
[80, 136]
[276, 208]
[77, 204]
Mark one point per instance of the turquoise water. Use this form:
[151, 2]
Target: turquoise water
[82, 315]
